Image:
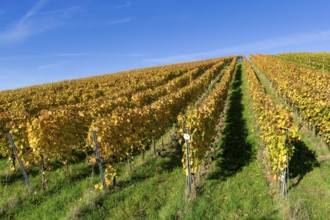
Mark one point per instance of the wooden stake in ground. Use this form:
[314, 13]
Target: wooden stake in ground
[187, 139]
[12, 156]
[42, 165]
[99, 160]
[129, 162]
[154, 146]
[143, 154]
[67, 169]
[13, 146]
[162, 144]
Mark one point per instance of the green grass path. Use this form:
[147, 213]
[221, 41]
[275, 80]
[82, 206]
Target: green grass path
[236, 187]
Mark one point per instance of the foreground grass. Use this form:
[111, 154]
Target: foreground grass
[154, 189]
[17, 203]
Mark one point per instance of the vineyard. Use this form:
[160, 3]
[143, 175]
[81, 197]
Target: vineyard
[316, 61]
[223, 138]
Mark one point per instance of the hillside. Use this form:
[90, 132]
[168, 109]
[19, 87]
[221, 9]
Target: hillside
[258, 144]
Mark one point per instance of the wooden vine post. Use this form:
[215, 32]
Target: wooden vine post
[154, 147]
[99, 161]
[189, 178]
[284, 177]
[13, 146]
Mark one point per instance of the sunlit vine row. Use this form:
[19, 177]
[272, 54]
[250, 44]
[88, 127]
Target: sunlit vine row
[125, 131]
[58, 132]
[201, 121]
[303, 88]
[278, 132]
[44, 97]
[317, 61]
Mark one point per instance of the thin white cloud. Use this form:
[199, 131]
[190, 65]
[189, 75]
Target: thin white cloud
[126, 5]
[24, 27]
[68, 55]
[127, 55]
[11, 79]
[62, 11]
[50, 65]
[34, 22]
[255, 47]
[136, 55]
[23, 57]
[72, 54]
[35, 9]
[119, 21]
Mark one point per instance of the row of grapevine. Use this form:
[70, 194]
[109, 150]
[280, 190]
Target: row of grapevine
[16, 120]
[151, 95]
[303, 88]
[125, 131]
[51, 134]
[122, 129]
[19, 122]
[60, 137]
[103, 106]
[317, 61]
[37, 98]
[202, 121]
[278, 132]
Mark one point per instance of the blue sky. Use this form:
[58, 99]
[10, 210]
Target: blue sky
[50, 40]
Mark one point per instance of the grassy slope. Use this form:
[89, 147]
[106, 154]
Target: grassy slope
[235, 188]
[60, 192]
[143, 194]
[154, 190]
[309, 193]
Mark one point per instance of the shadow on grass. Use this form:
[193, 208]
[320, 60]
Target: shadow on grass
[235, 151]
[172, 157]
[54, 165]
[12, 177]
[166, 161]
[302, 162]
[53, 187]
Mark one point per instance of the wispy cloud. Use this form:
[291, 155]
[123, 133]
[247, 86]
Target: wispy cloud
[126, 5]
[72, 54]
[23, 28]
[62, 11]
[34, 22]
[254, 47]
[105, 24]
[35, 8]
[23, 57]
[120, 21]
[11, 79]
[133, 54]
[69, 55]
[50, 65]
[136, 55]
